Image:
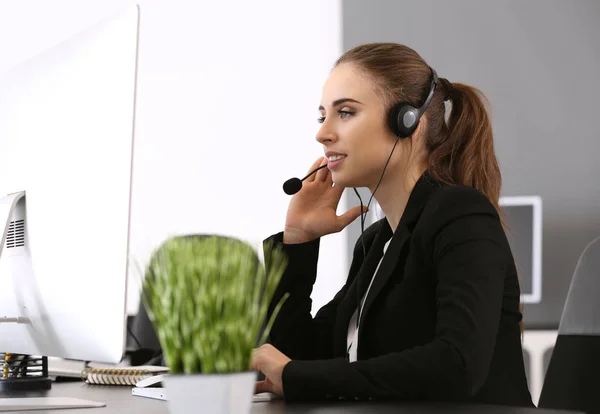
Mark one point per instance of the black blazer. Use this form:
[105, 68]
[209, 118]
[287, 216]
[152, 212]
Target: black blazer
[441, 321]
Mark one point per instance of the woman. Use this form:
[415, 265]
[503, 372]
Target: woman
[430, 309]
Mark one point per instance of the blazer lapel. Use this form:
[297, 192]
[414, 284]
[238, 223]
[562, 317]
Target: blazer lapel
[363, 278]
[394, 255]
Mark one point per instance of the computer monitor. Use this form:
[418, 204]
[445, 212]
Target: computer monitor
[523, 216]
[66, 150]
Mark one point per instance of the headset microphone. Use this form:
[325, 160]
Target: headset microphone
[293, 185]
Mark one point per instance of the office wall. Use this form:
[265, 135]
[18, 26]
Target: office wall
[226, 111]
[538, 62]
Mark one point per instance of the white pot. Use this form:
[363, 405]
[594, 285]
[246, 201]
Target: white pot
[210, 393]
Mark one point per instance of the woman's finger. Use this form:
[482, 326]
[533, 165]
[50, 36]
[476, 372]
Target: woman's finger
[254, 362]
[315, 165]
[323, 172]
[261, 386]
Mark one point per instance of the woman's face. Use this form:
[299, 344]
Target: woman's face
[354, 132]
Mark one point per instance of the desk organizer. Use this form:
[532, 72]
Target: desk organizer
[20, 372]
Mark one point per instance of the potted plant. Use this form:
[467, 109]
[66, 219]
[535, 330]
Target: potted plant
[207, 298]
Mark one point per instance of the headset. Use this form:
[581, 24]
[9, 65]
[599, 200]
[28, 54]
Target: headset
[404, 118]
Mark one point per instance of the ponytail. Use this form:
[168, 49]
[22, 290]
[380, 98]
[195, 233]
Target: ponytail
[466, 155]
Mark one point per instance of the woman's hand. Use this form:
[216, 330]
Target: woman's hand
[268, 360]
[312, 212]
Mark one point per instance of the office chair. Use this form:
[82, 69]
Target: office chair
[149, 351]
[572, 380]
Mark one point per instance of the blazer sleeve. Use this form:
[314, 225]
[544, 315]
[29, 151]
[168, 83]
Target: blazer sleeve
[469, 257]
[295, 332]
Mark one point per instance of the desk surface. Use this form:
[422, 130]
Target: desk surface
[119, 400]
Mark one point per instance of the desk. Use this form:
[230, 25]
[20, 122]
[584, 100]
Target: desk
[119, 400]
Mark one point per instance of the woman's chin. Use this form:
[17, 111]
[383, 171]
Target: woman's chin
[340, 181]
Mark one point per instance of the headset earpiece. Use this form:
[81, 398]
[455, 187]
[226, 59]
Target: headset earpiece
[404, 118]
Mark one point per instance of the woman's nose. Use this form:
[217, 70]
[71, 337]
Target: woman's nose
[326, 135]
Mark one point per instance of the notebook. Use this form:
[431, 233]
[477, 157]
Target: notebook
[120, 375]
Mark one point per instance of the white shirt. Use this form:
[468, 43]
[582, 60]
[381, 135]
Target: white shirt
[352, 338]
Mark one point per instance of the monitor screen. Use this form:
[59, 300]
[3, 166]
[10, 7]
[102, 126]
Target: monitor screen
[523, 217]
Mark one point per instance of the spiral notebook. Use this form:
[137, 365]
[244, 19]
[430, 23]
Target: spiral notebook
[120, 375]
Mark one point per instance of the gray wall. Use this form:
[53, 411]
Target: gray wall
[538, 61]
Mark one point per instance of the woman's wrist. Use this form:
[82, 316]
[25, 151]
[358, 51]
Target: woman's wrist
[294, 236]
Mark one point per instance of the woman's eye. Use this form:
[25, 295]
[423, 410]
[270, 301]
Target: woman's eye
[342, 114]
